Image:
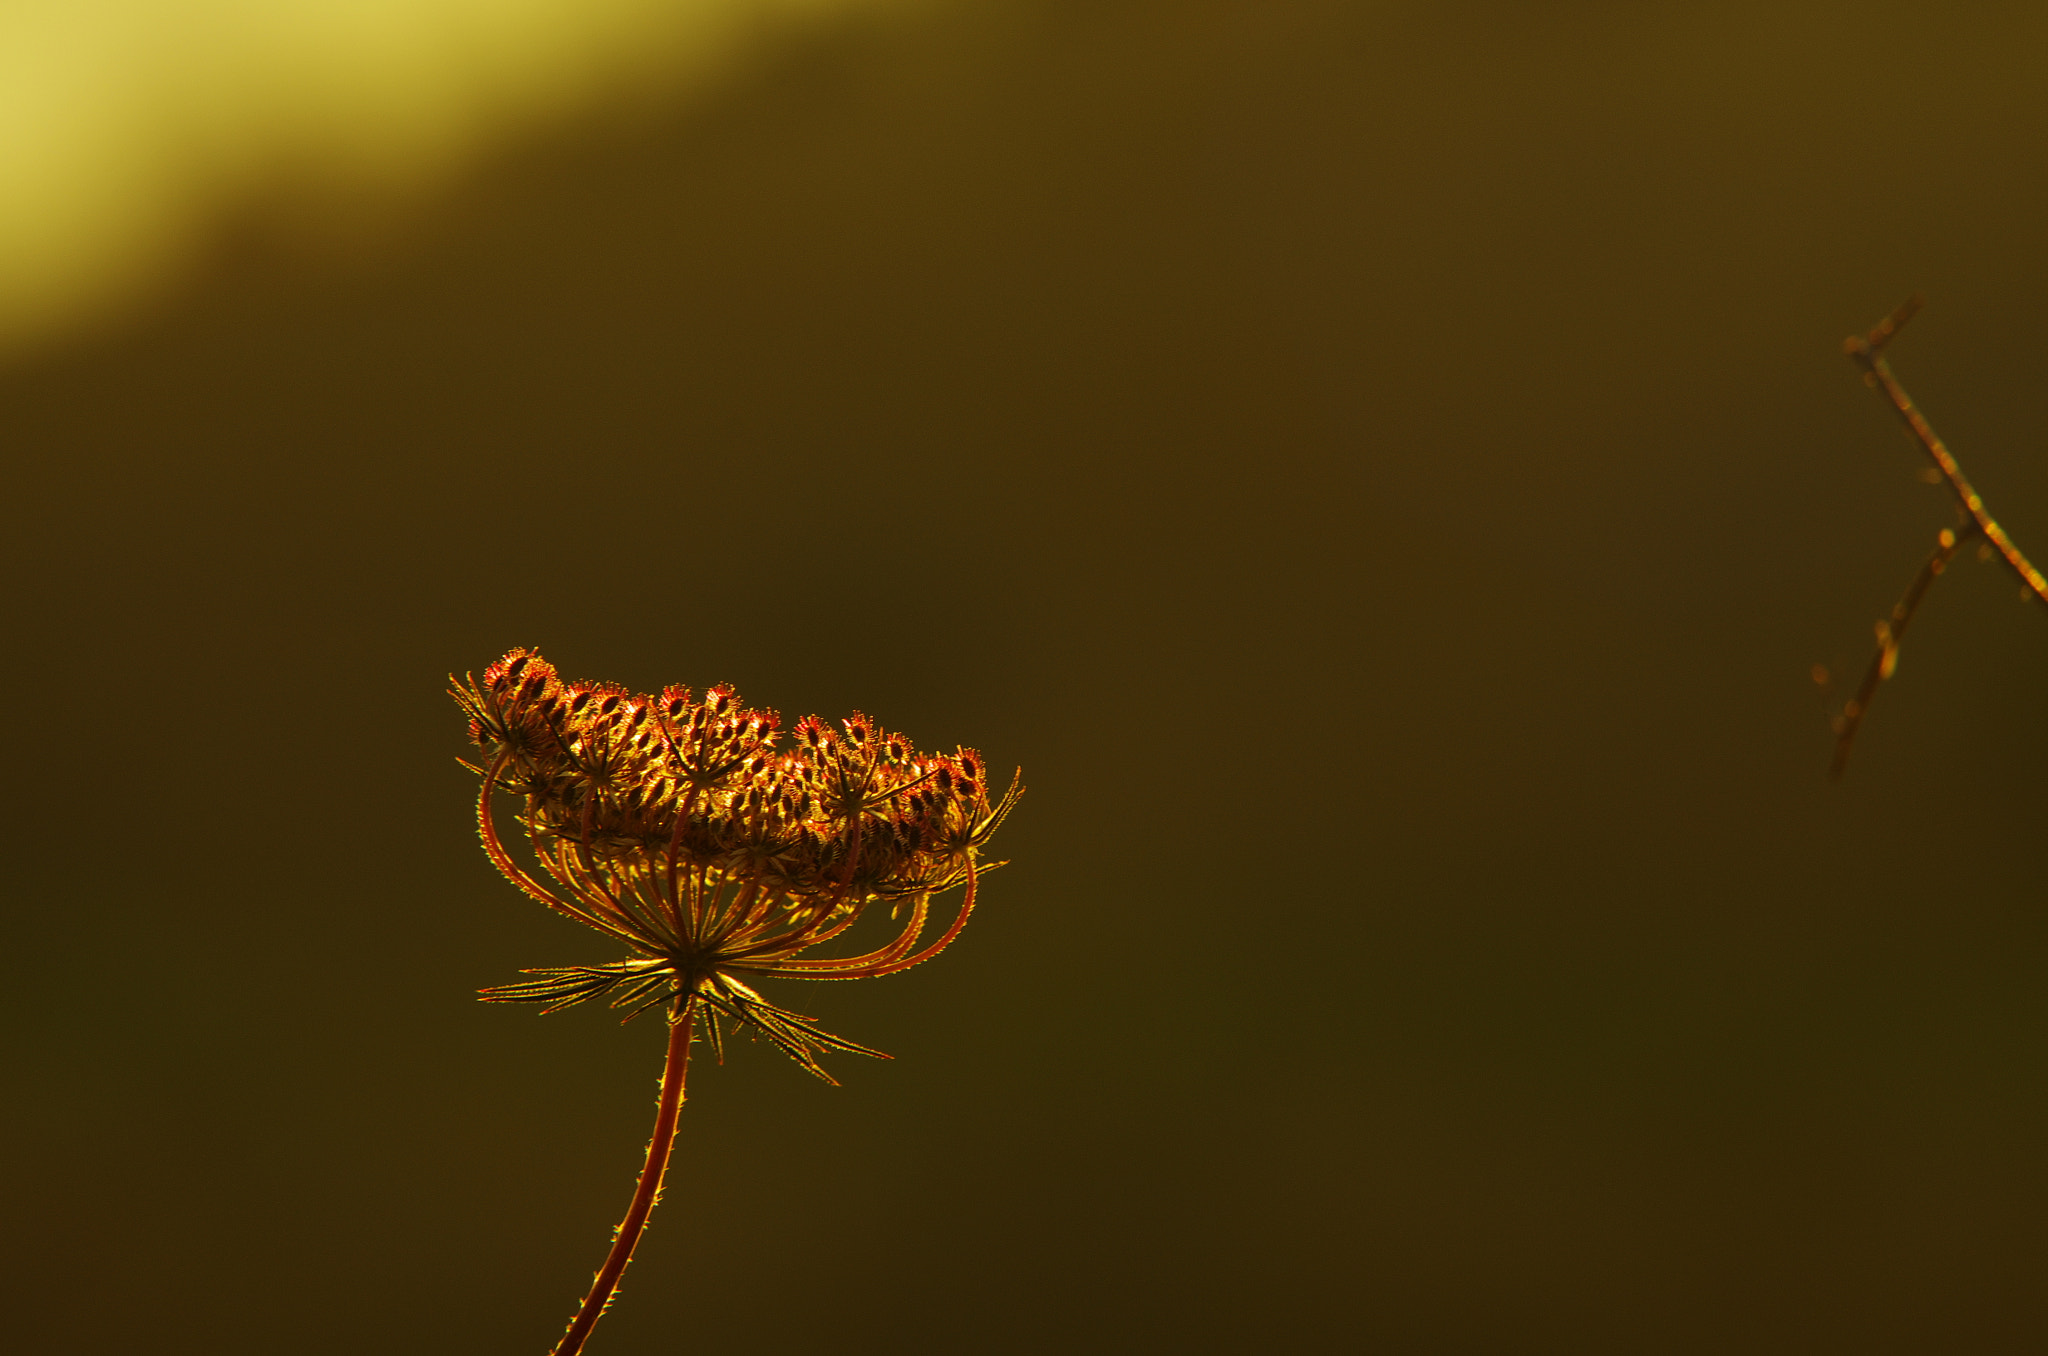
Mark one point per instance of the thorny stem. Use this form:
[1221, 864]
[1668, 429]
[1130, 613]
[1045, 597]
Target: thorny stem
[645, 1194]
[1867, 352]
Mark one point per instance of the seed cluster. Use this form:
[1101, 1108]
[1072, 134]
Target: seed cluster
[689, 828]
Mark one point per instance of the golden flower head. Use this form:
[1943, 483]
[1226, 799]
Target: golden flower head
[717, 850]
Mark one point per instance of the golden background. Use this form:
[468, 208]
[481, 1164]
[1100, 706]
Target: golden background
[1384, 470]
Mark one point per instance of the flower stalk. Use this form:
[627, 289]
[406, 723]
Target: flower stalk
[646, 1195]
[683, 828]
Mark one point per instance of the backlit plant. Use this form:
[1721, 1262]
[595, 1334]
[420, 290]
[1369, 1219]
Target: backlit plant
[715, 850]
[1973, 522]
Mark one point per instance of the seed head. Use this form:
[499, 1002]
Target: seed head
[677, 826]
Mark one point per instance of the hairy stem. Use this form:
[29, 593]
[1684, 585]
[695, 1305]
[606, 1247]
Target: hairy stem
[645, 1194]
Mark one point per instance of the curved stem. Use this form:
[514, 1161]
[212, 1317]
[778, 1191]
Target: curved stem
[645, 1194]
[959, 922]
[512, 871]
[904, 940]
[890, 959]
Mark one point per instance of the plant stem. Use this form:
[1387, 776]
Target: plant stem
[1867, 352]
[645, 1194]
[1890, 633]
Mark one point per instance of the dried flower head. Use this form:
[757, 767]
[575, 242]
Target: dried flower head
[717, 852]
[717, 849]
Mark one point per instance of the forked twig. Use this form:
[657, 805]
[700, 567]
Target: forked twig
[1867, 352]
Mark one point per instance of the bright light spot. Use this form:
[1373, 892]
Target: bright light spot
[125, 125]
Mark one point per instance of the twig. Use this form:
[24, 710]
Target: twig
[1867, 352]
[1889, 633]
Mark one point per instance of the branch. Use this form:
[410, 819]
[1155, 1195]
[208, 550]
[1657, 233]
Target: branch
[1889, 633]
[1867, 352]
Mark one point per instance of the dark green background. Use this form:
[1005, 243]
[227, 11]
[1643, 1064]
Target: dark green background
[1383, 470]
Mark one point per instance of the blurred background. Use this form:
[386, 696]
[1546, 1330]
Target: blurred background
[1384, 470]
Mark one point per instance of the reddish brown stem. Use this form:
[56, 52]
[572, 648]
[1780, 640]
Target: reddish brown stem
[645, 1194]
